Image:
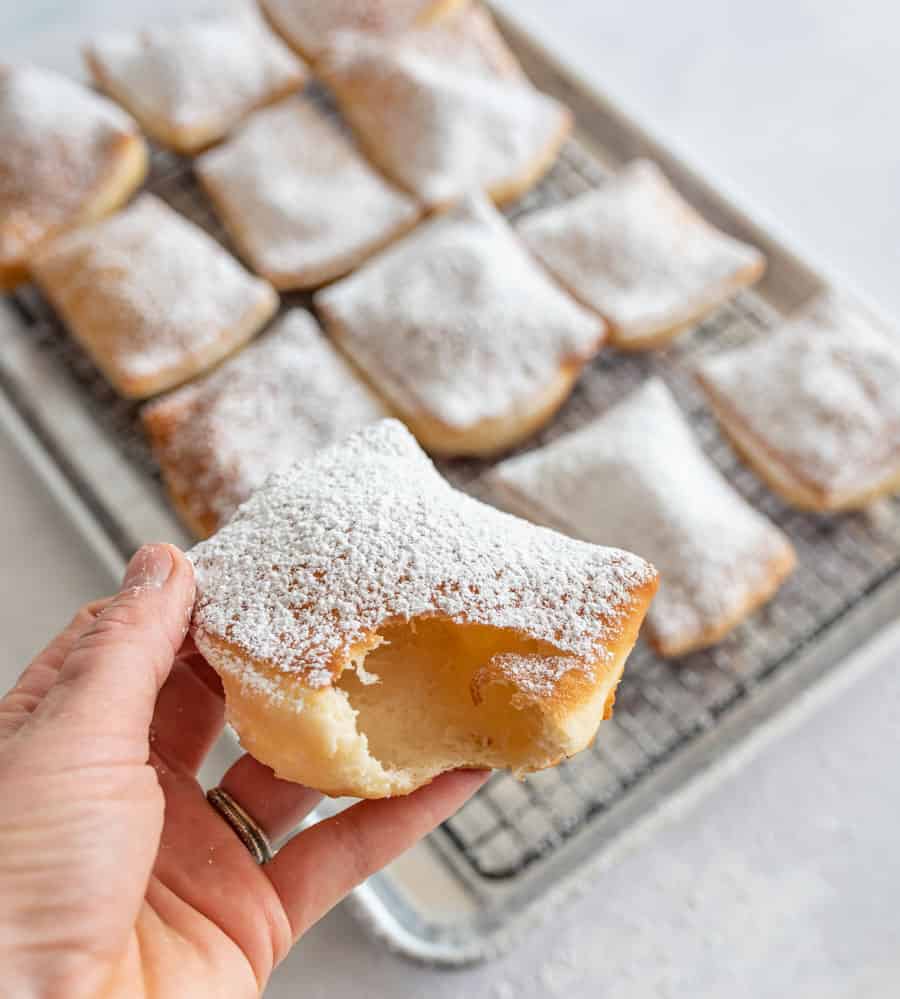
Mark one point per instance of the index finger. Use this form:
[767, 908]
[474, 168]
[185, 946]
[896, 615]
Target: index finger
[323, 863]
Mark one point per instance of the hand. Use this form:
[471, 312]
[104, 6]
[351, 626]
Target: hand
[116, 876]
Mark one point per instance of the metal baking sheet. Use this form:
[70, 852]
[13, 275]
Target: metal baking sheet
[476, 883]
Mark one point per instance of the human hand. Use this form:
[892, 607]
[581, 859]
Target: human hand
[117, 878]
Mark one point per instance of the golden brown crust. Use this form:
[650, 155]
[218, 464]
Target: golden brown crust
[777, 472]
[488, 437]
[309, 277]
[182, 139]
[290, 726]
[776, 573]
[110, 284]
[744, 278]
[124, 174]
[161, 421]
[100, 342]
[430, 14]
[247, 227]
[420, 632]
[501, 193]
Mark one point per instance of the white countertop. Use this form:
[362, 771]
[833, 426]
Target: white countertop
[784, 879]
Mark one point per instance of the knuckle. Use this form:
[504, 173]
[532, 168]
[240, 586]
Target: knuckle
[86, 615]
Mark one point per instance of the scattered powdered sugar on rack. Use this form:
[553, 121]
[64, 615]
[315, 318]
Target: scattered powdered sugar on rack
[198, 73]
[56, 144]
[310, 24]
[637, 478]
[285, 396]
[367, 532]
[822, 394]
[457, 320]
[168, 289]
[435, 126]
[637, 253]
[299, 198]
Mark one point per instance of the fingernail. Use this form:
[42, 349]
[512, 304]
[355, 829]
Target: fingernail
[150, 568]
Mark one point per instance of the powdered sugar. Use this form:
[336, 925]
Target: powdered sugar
[309, 25]
[536, 677]
[367, 532]
[283, 397]
[198, 74]
[298, 197]
[435, 126]
[57, 143]
[146, 290]
[636, 478]
[822, 394]
[457, 321]
[470, 41]
[636, 252]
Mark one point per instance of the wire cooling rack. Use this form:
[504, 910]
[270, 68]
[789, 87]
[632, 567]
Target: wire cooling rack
[662, 706]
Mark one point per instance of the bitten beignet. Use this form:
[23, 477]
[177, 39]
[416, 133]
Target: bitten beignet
[373, 627]
[462, 332]
[151, 297]
[67, 157]
[815, 406]
[287, 395]
[636, 477]
[639, 255]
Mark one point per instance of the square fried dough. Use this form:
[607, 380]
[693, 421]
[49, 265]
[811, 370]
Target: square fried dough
[640, 256]
[192, 83]
[637, 478]
[436, 126]
[285, 396]
[462, 332]
[67, 156]
[298, 199]
[151, 297]
[814, 407]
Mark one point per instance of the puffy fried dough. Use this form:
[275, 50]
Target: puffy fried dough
[67, 157]
[373, 627]
[637, 478]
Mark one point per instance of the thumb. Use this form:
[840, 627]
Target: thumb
[104, 696]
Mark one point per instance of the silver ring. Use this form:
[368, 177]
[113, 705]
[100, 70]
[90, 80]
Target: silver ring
[245, 827]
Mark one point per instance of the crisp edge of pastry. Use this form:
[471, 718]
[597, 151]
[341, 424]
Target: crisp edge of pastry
[777, 473]
[129, 161]
[779, 568]
[484, 438]
[183, 139]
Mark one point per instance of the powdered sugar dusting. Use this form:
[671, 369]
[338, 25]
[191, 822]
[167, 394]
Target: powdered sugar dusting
[309, 25]
[438, 128]
[283, 397]
[822, 393]
[165, 289]
[456, 320]
[57, 140]
[636, 478]
[299, 198]
[636, 252]
[205, 74]
[536, 677]
[469, 40]
[367, 532]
